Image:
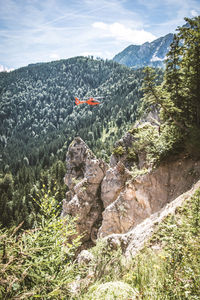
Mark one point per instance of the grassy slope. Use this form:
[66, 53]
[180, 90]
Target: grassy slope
[167, 268]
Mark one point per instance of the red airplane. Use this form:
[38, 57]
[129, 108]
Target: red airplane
[90, 101]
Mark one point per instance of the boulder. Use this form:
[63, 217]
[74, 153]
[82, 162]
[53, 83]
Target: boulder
[85, 257]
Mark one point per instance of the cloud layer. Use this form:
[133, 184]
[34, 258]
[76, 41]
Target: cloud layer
[121, 32]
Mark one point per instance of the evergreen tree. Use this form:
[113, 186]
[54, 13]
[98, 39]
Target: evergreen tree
[173, 79]
[157, 95]
[190, 66]
[179, 95]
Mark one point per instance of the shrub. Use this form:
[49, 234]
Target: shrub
[119, 151]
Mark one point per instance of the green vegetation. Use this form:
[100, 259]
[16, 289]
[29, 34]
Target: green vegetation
[157, 142]
[37, 104]
[178, 96]
[172, 271]
[39, 121]
[17, 192]
[119, 150]
[178, 100]
[137, 172]
[39, 262]
[111, 290]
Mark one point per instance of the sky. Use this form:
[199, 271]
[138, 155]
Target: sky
[34, 31]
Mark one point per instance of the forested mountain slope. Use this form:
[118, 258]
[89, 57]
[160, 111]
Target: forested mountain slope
[37, 104]
[39, 119]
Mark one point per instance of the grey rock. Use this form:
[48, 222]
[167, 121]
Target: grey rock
[147, 54]
[146, 194]
[84, 175]
[85, 257]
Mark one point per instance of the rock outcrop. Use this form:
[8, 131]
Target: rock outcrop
[113, 183]
[108, 200]
[146, 194]
[134, 240]
[84, 175]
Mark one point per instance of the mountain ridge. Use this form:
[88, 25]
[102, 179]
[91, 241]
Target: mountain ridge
[148, 54]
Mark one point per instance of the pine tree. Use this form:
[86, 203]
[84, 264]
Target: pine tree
[173, 79]
[157, 95]
[179, 95]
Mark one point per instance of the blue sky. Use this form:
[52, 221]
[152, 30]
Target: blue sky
[44, 30]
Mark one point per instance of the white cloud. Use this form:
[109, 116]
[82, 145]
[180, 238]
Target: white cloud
[54, 56]
[194, 13]
[100, 25]
[123, 33]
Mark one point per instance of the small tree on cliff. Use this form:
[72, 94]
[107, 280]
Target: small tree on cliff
[157, 95]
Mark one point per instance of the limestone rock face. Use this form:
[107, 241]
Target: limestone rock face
[132, 241]
[126, 142]
[113, 183]
[146, 194]
[110, 198]
[126, 211]
[84, 175]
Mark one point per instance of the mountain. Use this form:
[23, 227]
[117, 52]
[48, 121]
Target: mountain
[37, 102]
[39, 119]
[140, 211]
[147, 54]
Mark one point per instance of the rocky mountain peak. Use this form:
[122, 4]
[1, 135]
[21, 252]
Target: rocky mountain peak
[148, 54]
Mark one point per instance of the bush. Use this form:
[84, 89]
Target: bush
[119, 151]
[157, 142]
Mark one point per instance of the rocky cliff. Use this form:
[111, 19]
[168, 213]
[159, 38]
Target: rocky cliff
[84, 176]
[108, 200]
[148, 54]
[134, 240]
